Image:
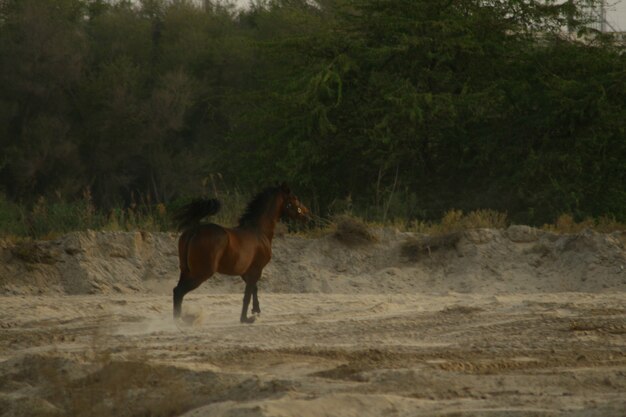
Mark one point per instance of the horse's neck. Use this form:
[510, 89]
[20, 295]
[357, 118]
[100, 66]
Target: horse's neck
[267, 230]
[267, 222]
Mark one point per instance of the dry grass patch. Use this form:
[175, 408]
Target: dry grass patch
[566, 223]
[352, 231]
[457, 221]
[415, 247]
[447, 233]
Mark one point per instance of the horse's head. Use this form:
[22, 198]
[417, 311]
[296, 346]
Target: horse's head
[292, 207]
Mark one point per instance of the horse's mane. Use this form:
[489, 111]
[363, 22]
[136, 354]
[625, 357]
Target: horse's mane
[257, 207]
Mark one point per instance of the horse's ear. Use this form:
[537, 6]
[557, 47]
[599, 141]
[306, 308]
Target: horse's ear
[285, 188]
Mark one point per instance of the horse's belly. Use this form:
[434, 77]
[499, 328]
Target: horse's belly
[242, 262]
[238, 267]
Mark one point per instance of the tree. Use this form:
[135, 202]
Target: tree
[43, 56]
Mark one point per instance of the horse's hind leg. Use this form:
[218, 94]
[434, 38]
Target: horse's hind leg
[256, 309]
[250, 278]
[185, 284]
[246, 303]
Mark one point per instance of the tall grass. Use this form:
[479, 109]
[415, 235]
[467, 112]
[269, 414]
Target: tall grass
[47, 218]
[50, 218]
[566, 223]
[12, 218]
[456, 220]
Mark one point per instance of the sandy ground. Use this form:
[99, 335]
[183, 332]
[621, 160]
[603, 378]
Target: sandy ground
[354, 347]
[315, 355]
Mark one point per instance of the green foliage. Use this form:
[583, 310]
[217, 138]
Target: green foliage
[11, 218]
[442, 104]
[405, 109]
[48, 218]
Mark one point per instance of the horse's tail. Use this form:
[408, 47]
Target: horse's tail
[190, 214]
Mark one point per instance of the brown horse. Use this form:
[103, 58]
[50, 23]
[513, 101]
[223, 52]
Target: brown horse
[204, 249]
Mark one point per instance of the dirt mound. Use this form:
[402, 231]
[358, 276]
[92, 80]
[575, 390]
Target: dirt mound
[87, 263]
[519, 258]
[109, 386]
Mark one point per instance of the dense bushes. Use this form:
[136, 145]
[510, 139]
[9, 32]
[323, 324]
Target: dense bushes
[391, 109]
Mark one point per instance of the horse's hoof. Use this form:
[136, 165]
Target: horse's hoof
[248, 320]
